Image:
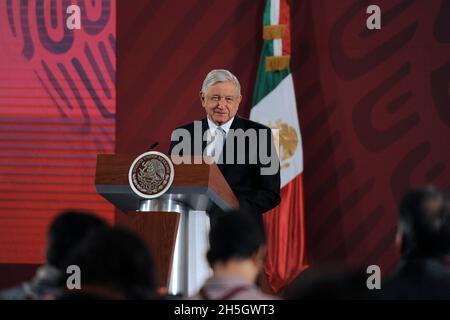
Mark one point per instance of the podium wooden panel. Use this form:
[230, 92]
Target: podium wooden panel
[195, 186]
[159, 231]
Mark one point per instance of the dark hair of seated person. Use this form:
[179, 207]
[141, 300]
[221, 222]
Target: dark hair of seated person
[421, 220]
[66, 232]
[115, 264]
[445, 228]
[234, 235]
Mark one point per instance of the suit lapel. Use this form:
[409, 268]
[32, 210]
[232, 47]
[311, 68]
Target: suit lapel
[235, 123]
[204, 128]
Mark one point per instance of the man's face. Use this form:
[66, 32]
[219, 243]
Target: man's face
[221, 102]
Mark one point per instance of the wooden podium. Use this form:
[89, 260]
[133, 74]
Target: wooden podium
[164, 223]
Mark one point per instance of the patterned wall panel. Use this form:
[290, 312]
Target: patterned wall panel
[57, 111]
[373, 122]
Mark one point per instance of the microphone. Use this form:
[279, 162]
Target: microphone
[154, 145]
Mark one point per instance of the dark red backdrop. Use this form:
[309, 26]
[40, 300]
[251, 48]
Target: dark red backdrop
[373, 106]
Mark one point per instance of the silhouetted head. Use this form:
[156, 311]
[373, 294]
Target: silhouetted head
[116, 261]
[237, 240]
[66, 232]
[220, 96]
[421, 219]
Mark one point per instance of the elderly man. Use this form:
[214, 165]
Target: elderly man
[240, 147]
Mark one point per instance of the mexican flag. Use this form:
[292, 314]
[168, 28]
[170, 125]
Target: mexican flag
[274, 105]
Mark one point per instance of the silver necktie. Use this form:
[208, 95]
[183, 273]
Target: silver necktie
[219, 140]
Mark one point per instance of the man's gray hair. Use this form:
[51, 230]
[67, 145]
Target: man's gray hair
[220, 75]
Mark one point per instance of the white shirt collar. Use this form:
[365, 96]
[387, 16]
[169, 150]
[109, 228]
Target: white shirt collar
[226, 126]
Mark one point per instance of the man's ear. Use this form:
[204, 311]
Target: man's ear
[202, 99]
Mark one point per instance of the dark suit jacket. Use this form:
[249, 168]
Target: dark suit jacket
[256, 193]
[420, 278]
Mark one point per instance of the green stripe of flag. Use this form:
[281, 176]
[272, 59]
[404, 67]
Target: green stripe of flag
[266, 16]
[266, 81]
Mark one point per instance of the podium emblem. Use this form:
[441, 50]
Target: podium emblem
[151, 174]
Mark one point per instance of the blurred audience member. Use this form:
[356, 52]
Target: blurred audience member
[329, 283]
[65, 233]
[236, 255]
[421, 272]
[115, 264]
[445, 229]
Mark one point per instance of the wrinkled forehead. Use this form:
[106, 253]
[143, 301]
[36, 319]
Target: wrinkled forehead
[223, 88]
